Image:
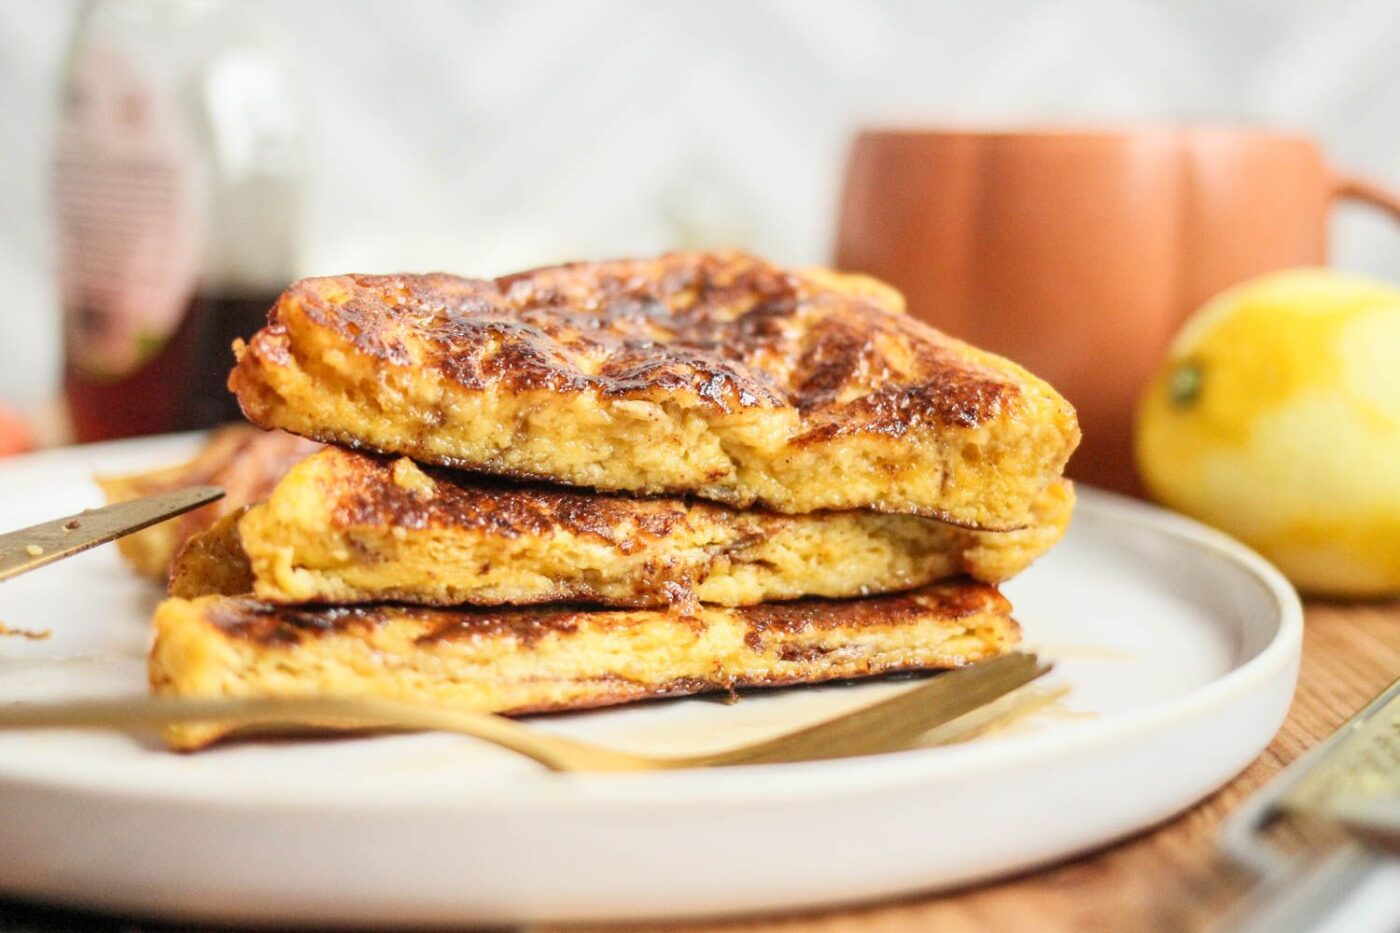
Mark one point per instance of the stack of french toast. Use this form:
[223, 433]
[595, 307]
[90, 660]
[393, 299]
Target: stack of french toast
[603, 482]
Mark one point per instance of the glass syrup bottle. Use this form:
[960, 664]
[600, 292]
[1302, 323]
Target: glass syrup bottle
[177, 193]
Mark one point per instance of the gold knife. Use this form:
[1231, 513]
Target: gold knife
[24, 550]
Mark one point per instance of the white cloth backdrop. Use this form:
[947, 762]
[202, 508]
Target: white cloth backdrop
[478, 136]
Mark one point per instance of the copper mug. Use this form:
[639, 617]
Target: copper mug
[1078, 254]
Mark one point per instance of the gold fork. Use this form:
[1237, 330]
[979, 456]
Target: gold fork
[886, 725]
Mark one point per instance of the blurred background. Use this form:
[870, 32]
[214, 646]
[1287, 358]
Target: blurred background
[482, 136]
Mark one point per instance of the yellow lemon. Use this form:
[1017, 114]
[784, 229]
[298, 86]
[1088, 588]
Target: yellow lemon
[1276, 418]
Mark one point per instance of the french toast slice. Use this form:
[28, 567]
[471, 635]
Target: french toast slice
[549, 659]
[244, 461]
[346, 527]
[713, 374]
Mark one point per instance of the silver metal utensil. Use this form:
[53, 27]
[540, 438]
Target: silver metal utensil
[1351, 785]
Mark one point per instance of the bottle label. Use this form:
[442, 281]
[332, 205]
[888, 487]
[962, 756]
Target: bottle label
[129, 235]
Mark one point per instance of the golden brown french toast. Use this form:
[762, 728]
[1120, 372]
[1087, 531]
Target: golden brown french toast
[546, 659]
[346, 527]
[713, 374]
[242, 460]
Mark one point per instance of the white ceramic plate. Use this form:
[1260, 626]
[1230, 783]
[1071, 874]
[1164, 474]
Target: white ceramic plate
[1178, 646]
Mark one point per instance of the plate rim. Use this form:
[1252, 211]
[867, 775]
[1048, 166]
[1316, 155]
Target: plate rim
[757, 784]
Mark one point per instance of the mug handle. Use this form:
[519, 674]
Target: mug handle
[1359, 189]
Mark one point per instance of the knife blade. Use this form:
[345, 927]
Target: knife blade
[29, 548]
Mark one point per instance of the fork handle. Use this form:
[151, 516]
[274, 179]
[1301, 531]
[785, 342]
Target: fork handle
[137, 713]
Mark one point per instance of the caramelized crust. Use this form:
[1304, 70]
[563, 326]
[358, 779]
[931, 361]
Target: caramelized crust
[345, 527]
[212, 562]
[558, 658]
[244, 461]
[713, 374]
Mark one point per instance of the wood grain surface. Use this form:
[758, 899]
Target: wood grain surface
[1169, 878]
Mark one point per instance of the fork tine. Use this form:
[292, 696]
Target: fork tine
[889, 724]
